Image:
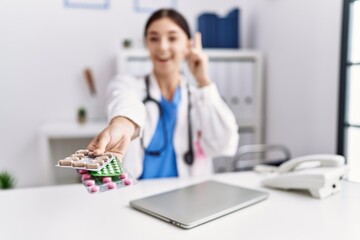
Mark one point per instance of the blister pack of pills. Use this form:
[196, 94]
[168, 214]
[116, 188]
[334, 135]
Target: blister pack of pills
[114, 168]
[113, 176]
[84, 159]
[98, 173]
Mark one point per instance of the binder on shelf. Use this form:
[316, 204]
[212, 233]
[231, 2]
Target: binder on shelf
[208, 25]
[229, 30]
[220, 32]
[222, 79]
[234, 86]
[248, 90]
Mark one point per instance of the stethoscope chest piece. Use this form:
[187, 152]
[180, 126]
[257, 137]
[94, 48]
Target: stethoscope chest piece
[189, 158]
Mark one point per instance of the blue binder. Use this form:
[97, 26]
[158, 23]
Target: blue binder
[220, 32]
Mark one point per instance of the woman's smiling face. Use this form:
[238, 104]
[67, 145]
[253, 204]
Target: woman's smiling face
[168, 45]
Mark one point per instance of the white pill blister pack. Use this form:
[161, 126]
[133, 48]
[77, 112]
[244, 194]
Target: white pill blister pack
[84, 159]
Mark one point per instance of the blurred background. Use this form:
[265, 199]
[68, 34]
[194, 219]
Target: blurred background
[51, 52]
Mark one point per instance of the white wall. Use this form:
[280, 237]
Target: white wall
[45, 47]
[301, 41]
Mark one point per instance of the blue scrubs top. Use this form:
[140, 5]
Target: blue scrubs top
[164, 164]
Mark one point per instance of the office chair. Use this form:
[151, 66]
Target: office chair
[248, 156]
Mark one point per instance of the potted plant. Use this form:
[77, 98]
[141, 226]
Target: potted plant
[7, 181]
[82, 116]
[127, 43]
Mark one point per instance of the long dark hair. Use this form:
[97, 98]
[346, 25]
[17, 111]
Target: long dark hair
[175, 16]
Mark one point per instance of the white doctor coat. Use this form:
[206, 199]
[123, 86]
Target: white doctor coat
[209, 115]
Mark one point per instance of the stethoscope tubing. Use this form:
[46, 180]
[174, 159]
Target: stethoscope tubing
[189, 155]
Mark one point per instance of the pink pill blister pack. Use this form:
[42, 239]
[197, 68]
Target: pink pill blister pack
[95, 182]
[84, 159]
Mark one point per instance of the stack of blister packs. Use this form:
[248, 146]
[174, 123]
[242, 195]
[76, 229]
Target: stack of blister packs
[98, 173]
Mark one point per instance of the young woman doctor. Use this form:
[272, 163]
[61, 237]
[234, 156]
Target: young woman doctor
[166, 127]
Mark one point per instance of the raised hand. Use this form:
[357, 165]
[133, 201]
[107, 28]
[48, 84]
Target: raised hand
[198, 61]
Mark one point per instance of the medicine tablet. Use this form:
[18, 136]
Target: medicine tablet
[65, 162]
[92, 166]
[83, 151]
[75, 158]
[78, 164]
[82, 171]
[90, 183]
[110, 185]
[79, 155]
[123, 176]
[100, 162]
[106, 179]
[94, 189]
[85, 176]
[102, 158]
[128, 181]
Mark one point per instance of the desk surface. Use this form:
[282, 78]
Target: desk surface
[69, 212]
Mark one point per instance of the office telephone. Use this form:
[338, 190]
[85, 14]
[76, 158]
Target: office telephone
[320, 174]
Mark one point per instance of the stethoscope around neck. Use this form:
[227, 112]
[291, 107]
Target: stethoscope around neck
[189, 155]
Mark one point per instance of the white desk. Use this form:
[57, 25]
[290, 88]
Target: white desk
[69, 212]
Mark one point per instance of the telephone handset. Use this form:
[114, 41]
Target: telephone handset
[322, 179]
[325, 160]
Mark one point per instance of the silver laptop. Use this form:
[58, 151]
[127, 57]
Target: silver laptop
[196, 204]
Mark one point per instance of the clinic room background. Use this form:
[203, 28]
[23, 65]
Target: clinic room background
[46, 45]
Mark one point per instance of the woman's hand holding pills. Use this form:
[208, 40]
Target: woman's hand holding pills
[115, 138]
